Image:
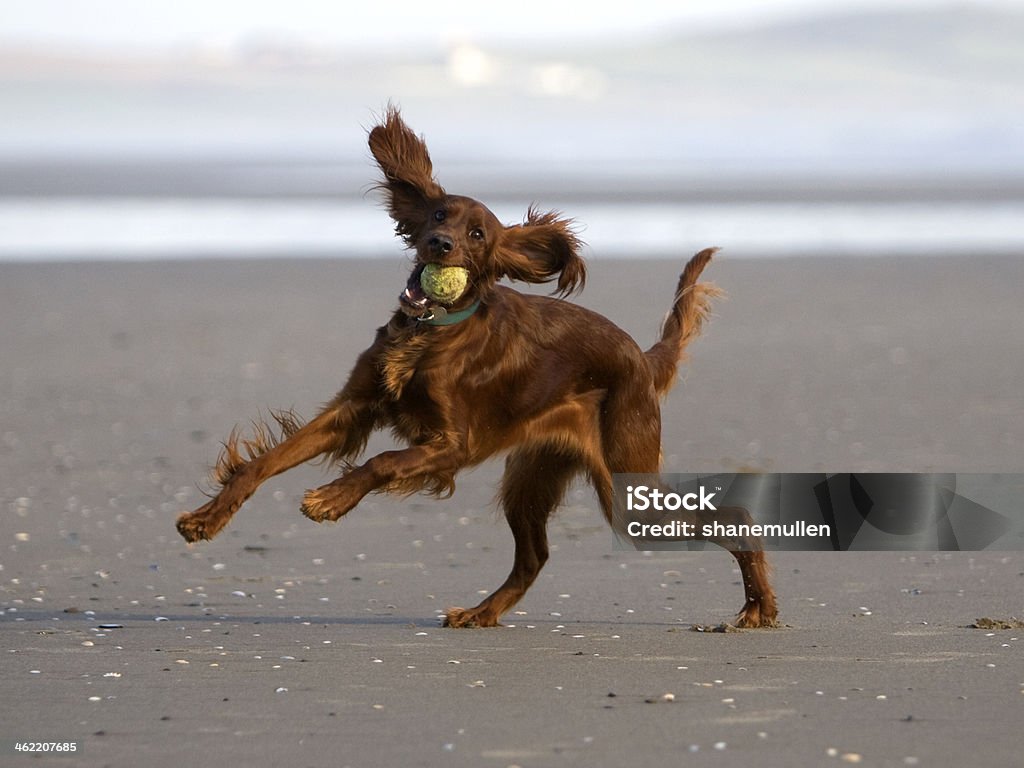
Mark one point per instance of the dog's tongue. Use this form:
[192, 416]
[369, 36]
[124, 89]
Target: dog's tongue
[414, 295]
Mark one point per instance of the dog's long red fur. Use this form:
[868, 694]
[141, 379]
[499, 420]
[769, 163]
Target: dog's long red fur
[560, 390]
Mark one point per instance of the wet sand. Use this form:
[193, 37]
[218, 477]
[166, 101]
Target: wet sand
[284, 642]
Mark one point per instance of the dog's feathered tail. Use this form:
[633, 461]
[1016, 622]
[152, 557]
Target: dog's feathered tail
[683, 324]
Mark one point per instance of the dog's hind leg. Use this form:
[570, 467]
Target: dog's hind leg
[533, 486]
[631, 437]
[760, 609]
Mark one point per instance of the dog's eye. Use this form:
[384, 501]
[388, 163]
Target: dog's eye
[439, 215]
[476, 233]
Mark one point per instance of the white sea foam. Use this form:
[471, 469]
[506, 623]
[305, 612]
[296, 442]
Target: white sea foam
[138, 228]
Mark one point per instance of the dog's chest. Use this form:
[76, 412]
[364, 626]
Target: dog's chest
[399, 365]
[415, 375]
[415, 409]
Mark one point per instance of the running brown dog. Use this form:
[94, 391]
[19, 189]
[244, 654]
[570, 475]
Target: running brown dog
[560, 390]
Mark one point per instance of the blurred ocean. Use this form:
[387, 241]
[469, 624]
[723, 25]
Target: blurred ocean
[875, 133]
[132, 228]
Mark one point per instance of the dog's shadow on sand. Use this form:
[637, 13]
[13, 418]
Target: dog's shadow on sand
[118, 622]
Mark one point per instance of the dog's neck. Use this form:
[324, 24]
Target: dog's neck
[402, 325]
[441, 316]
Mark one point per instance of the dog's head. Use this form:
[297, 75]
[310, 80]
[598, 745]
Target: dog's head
[455, 231]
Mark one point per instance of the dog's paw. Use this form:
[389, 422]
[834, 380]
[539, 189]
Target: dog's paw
[462, 618]
[328, 503]
[194, 526]
[314, 507]
[207, 521]
[757, 616]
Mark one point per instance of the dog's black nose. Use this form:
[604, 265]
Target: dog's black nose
[440, 245]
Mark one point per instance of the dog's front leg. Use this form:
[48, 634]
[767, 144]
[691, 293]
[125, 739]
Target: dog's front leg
[405, 471]
[342, 422]
[341, 430]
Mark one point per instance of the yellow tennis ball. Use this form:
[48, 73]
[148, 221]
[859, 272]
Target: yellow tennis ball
[444, 284]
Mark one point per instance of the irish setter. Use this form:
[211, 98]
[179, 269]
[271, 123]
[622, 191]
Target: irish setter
[561, 390]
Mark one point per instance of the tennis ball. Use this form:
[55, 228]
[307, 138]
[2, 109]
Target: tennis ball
[444, 284]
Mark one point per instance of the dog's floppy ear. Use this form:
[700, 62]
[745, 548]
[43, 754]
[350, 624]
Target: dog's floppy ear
[541, 248]
[408, 183]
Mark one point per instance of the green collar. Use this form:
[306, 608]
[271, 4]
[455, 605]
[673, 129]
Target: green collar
[441, 316]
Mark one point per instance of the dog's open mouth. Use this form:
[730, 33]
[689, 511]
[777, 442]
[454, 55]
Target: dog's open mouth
[432, 289]
[413, 300]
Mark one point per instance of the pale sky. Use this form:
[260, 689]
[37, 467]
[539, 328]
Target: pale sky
[392, 22]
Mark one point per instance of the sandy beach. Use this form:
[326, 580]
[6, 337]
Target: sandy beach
[287, 643]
